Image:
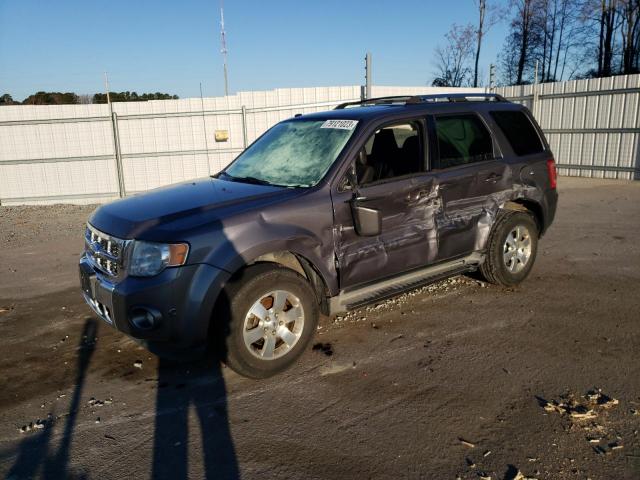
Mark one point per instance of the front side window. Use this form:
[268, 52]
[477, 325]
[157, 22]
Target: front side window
[392, 151]
[293, 153]
[462, 139]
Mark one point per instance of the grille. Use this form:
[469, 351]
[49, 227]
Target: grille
[104, 251]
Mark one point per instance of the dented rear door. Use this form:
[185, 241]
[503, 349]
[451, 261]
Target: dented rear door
[470, 197]
[471, 178]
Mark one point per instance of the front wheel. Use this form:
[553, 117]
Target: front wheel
[511, 248]
[273, 316]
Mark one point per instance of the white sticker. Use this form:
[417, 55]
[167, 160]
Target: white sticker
[341, 124]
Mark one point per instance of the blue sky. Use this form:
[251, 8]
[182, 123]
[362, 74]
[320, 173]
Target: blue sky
[172, 46]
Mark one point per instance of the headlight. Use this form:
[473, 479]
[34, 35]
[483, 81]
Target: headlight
[148, 259]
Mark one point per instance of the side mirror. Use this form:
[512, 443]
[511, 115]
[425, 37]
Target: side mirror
[367, 221]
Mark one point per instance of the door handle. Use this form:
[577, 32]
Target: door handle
[416, 195]
[366, 198]
[413, 196]
[493, 178]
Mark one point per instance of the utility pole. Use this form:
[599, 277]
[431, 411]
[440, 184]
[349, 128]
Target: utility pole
[106, 87]
[492, 77]
[116, 139]
[223, 50]
[204, 130]
[535, 92]
[367, 75]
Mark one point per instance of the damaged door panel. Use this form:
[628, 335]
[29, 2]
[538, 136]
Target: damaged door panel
[406, 209]
[470, 173]
[385, 222]
[470, 198]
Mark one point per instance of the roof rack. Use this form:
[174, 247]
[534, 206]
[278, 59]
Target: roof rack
[463, 97]
[432, 98]
[397, 99]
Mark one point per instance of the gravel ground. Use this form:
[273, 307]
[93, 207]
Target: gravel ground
[25, 224]
[39, 245]
[455, 380]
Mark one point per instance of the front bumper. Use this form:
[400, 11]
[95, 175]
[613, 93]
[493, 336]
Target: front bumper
[179, 301]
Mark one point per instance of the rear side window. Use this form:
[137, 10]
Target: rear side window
[519, 131]
[462, 139]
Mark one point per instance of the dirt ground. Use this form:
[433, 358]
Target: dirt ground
[456, 380]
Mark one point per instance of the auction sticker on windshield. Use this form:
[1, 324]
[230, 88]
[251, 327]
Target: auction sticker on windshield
[340, 124]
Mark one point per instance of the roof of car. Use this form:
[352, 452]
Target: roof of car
[392, 106]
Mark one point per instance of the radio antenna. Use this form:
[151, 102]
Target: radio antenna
[223, 50]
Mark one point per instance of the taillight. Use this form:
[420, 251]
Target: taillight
[553, 173]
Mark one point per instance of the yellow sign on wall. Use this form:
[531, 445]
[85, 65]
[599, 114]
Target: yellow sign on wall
[222, 135]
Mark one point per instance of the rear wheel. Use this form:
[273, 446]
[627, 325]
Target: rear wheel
[511, 249]
[273, 316]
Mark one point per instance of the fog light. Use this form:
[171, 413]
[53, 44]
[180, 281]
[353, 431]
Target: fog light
[144, 318]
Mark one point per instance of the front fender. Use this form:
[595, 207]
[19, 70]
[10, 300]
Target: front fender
[307, 247]
[304, 228]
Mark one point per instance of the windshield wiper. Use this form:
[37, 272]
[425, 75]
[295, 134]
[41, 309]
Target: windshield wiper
[254, 180]
[258, 181]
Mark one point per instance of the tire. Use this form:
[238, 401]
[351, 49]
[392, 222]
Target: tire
[511, 248]
[263, 337]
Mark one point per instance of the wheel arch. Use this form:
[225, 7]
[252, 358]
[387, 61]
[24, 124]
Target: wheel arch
[301, 265]
[531, 206]
[293, 261]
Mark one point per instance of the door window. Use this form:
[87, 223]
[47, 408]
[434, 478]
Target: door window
[462, 139]
[393, 151]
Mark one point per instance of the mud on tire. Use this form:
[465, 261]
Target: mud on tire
[511, 248]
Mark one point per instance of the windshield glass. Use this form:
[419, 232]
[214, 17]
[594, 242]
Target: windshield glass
[293, 154]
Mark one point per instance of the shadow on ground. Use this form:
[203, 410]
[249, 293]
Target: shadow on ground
[47, 453]
[34, 453]
[173, 404]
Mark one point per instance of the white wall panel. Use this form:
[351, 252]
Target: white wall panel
[66, 153]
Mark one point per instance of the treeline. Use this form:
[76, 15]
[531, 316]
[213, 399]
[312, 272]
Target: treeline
[69, 98]
[132, 97]
[566, 39]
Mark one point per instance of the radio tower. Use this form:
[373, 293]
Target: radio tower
[223, 50]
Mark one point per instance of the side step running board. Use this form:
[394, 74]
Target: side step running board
[394, 286]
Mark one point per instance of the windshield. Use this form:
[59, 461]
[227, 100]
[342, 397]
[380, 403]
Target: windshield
[293, 154]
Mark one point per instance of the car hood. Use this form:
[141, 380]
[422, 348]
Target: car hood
[177, 208]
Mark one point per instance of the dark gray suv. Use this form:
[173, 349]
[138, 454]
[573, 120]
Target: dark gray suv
[321, 214]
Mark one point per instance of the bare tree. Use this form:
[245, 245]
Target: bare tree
[521, 41]
[608, 26]
[552, 33]
[572, 38]
[482, 11]
[564, 22]
[488, 16]
[523, 23]
[630, 33]
[557, 33]
[452, 59]
[614, 27]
